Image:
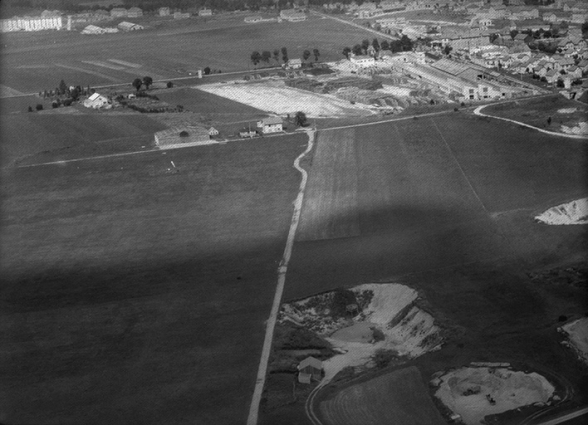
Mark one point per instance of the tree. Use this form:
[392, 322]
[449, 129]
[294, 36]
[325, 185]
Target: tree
[357, 50]
[300, 119]
[206, 70]
[406, 43]
[277, 55]
[513, 34]
[346, 51]
[305, 55]
[255, 57]
[284, 54]
[376, 44]
[385, 45]
[447, 50]
[30, 109]
[396, 46]
[364, 45]
[147, 80]
[39, 107]
[266, 55]
[62, 87]
[137, 83]
[316, 54]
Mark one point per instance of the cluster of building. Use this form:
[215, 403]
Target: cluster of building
[289, 15]
[122, 26]
[48, 20]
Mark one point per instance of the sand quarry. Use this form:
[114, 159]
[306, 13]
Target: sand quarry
[407, 329]
[577, 333]
[575, 212]
[475, 392]
[277, 98]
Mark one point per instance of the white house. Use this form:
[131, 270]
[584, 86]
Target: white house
[96, 101]
[270, 125]
[164, 11]
[294, 63]
[213, 132]
[363, 60]
[205, 12]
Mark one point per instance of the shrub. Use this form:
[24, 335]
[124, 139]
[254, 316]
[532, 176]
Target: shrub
[377, 334]
[383, 357]
[170, 84]
[455, 109]
[30, 109]
[39, 107]
[341, 299]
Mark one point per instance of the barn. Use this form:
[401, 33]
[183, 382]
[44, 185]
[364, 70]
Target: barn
[180, 135]
[96, 101]
[270, 125]
[129, 26]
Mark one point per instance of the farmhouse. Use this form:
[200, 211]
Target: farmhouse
[205, 12]
[270, 125]
[363, 60]
[129, 26]
[294, 63]
[182, 135]
[96, 101]
[213, 132]
[164, 11]
[308, 369]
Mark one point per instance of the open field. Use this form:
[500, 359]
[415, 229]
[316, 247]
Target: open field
[135, 295]
[446, 206]
[33, 62]
[398, 397]
[536, 112]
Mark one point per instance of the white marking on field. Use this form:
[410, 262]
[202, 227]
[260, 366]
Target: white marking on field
[282, 269]
[87, 71]
[105, 65]
[125, 63]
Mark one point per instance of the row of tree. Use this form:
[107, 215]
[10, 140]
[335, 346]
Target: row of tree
[266, 56]
[372, 49]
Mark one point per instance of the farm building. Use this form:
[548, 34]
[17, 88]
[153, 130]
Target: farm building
[308, 369]
[293, 15]
[119, 12]
[247, 132]
[31, 24]
[205, 12]
[93, 29]
[96, 101]
[363, 60]
[181, 135]
[252, 19]
[129, 26]
[270, 125]
[164, 11]
[134, 12]
[294, 63]
[213, 132]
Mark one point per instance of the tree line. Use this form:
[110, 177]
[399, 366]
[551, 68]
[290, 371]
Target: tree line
[266, 56]
[373, 48]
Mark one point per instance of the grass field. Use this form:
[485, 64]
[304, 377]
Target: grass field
[132, 295]
[398, 397]
[31, 63]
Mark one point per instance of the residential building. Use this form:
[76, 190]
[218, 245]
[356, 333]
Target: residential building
[164, 11]
[294, 63]
[309, 369]
[270, 125]
[205, 12]
[134, 12]
[96, 101]
[363, 60]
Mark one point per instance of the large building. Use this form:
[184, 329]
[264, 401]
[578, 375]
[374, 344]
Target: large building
[270, 125]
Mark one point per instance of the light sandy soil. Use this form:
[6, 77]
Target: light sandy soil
[277, 98]
[577, 332]
[466, 391]
[581, 128]
[407, 330]
[575, 212]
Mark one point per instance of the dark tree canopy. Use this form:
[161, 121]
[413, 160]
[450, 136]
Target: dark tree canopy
[147, 80]
[255, 57]
[346, 52]
[306, 55]
[357, 50]
[316, 54]
[137, 83]
[300, 118]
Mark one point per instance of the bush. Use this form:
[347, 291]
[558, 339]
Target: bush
[383, 357]
[455, 109]
[341, 299]
[30, 109]
[39, 107]
[377, 334]
[170, 84]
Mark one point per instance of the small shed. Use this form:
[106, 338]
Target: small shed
[308, 369]
[212, 132]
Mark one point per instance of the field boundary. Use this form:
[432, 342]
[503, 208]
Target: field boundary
[478, 112]
[282, 269]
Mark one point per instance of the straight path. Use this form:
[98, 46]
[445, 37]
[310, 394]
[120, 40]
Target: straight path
[353, 24]
[282, 269]
[565, 418]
